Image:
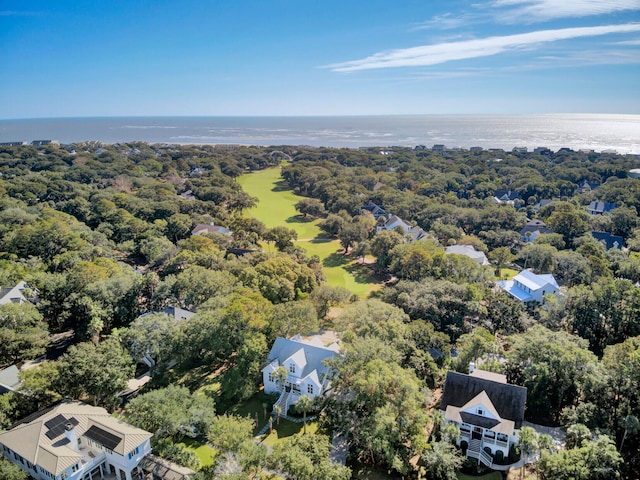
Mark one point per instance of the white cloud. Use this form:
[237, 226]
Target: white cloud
[538, 10]
[444, 22]
[483, 47]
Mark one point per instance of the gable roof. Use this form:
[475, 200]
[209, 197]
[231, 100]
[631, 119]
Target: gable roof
[508, 400]
[534, 225]
[610, 241]
[467, 251]
[394, 222]
[13, 294]
[284, 348]
[9, 379]
[535, 281]
[506, 195]
[209, 228]
[41, 440]
[375, 209]
[598, 206]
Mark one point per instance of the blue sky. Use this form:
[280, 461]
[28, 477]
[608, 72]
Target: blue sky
[302, 57]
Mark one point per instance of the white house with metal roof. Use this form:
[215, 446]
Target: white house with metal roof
[73, 441]
[305, 364]
[529, 287]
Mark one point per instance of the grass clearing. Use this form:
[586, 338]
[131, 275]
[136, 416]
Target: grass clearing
[204, 452]
[276, 207]
[254, 408]
[508, 273]
[287, 429]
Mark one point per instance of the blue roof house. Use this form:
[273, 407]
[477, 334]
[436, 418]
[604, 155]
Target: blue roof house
[529, 287]
[610, 241]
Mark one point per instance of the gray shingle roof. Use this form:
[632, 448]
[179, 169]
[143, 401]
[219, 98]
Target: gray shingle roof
[508, 400]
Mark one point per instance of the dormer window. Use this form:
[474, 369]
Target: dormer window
[292, 368]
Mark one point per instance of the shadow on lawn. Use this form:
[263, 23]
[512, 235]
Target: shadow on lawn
[336, 260]
[362, 273]
[281, 186]
[299, 219]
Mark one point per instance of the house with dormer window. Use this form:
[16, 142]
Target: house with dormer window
[488, 411]
[305, 363]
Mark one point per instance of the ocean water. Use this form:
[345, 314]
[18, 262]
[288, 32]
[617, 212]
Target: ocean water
[577, 131]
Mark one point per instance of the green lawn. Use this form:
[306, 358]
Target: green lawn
[287, 429]
[205, 453]
[276, 208]
[252, 407]
[508, 273]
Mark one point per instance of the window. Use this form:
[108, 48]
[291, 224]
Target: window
[480, 411]
[271, 376]
[75, 468]
[310, 389]
[292, 368]
[134, 452]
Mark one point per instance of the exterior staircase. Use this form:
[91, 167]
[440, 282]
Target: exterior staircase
[475, 451]
[283, 402]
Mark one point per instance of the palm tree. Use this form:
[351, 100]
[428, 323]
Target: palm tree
[305, 403]
[545, 442]
[528, 441]
[281, 374]
[631, 425]
[450, 433]
[278, 410]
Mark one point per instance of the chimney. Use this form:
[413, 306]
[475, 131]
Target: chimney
[472, 367]
[70, 433]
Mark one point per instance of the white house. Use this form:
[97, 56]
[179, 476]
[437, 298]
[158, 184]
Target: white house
[18, 294]
[488, 411]
[411, 233]
[467, 251]
[304, 362]
[72, 441]
[533, 229]
[393, 222]
[529, 287]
